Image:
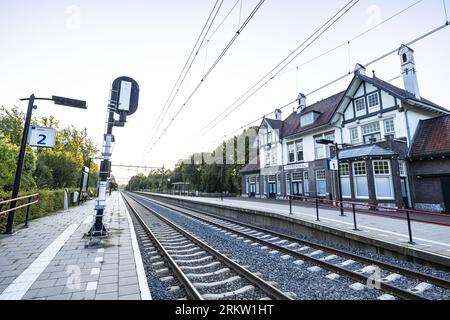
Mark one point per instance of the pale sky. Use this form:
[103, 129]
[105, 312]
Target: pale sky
[77, 48]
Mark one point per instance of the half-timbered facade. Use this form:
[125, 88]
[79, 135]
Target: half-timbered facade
[373, 121]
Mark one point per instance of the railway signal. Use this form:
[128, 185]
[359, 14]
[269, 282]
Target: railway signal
[123, 102]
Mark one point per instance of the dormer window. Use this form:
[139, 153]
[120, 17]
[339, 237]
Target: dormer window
[309, 118]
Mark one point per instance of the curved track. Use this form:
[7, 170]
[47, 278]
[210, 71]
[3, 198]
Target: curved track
[310, 251]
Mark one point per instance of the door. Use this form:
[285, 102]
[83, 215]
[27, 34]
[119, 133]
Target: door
[272, 190]
[297, 188]
[446, 193]
[405, 194]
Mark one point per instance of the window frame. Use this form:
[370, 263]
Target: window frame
[369, 100]
[390, 120]
[351, 131]
[362, 104]
[291, 144]
[321, 179]
[356, 175]
[383, 175]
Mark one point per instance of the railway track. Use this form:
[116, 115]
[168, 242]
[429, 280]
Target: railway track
[191, 268]
[359, 268]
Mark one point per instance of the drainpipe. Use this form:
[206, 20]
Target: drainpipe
[408, 128]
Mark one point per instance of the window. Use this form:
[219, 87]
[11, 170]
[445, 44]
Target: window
[360, 105]
[374, 100]
[246, 184]
[269, 136]
[296, 177]
[288, 183]
[323, 151]
[291, 152]
[267, 158]
[360, 180]
[309, 118]
[319, 149]
[354, 135]
[383, 179]
[321, 182]
[305, 181]
[344, 170]
[257, 185]
[402, 168]
[279, 183]
[371, 131]
[299, 150]
[389, 127]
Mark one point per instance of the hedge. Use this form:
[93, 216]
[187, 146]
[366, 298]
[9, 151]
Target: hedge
[50, 201]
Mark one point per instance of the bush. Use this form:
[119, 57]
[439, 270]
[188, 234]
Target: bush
[50, 201]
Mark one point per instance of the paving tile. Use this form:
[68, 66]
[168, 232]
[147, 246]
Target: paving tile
[108, 279]
[127, 281]
[43, 284]
[106, 296]
[84, 295]
[106, 288]
[130, 297]
[130, 289]
[52, 291]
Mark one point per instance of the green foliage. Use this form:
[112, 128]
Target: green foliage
[44, 168]
[202, 177]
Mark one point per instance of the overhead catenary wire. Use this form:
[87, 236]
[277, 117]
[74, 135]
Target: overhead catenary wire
[380, 58]
[187, 65]
[427, 34]
[222, 54]
[346, 43]
[327, 25]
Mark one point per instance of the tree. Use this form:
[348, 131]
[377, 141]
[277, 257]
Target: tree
[9, 154]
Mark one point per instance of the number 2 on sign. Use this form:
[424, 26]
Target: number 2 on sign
[42, 141]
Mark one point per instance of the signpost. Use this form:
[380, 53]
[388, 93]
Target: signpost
[124, 102]
[42, 137]
[41, 142]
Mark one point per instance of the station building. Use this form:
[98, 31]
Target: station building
[375, 124]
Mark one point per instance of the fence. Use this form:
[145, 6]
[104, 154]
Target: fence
[29, 201]
[366, 208]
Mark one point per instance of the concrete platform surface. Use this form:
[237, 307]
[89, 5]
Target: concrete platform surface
[428, 238]
[50, 260]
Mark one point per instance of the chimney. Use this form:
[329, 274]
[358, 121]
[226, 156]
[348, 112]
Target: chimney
[278, 114]
[360, 69]
[301, 102]
[409, 70]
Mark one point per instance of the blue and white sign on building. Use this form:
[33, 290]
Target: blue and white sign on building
[42, 137]
[332, 164]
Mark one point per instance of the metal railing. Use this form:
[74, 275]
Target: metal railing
[29, 201]
[371, 209]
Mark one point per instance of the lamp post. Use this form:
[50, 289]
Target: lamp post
[57, 100]
[336, 145]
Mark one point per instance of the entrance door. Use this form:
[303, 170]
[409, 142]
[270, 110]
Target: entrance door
[405, 195]
[297, 188]
[272, 190]
[446, 193]
[252, 190]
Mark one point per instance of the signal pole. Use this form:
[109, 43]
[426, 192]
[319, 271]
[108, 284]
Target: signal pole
[124, 101]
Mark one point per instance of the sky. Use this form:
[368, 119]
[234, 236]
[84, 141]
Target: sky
[77, 48]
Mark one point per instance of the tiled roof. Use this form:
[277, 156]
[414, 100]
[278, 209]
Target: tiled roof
[326, 108]
[251, 167]
[401, 93]
[365, 151]
[275, 124]
[432, 137]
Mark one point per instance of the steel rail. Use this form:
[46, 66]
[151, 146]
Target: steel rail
[191, 291]
[385, 265]
[267, 288]
[404, 294]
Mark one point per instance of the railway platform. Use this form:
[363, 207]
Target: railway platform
[51, 259]
[431, 241]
